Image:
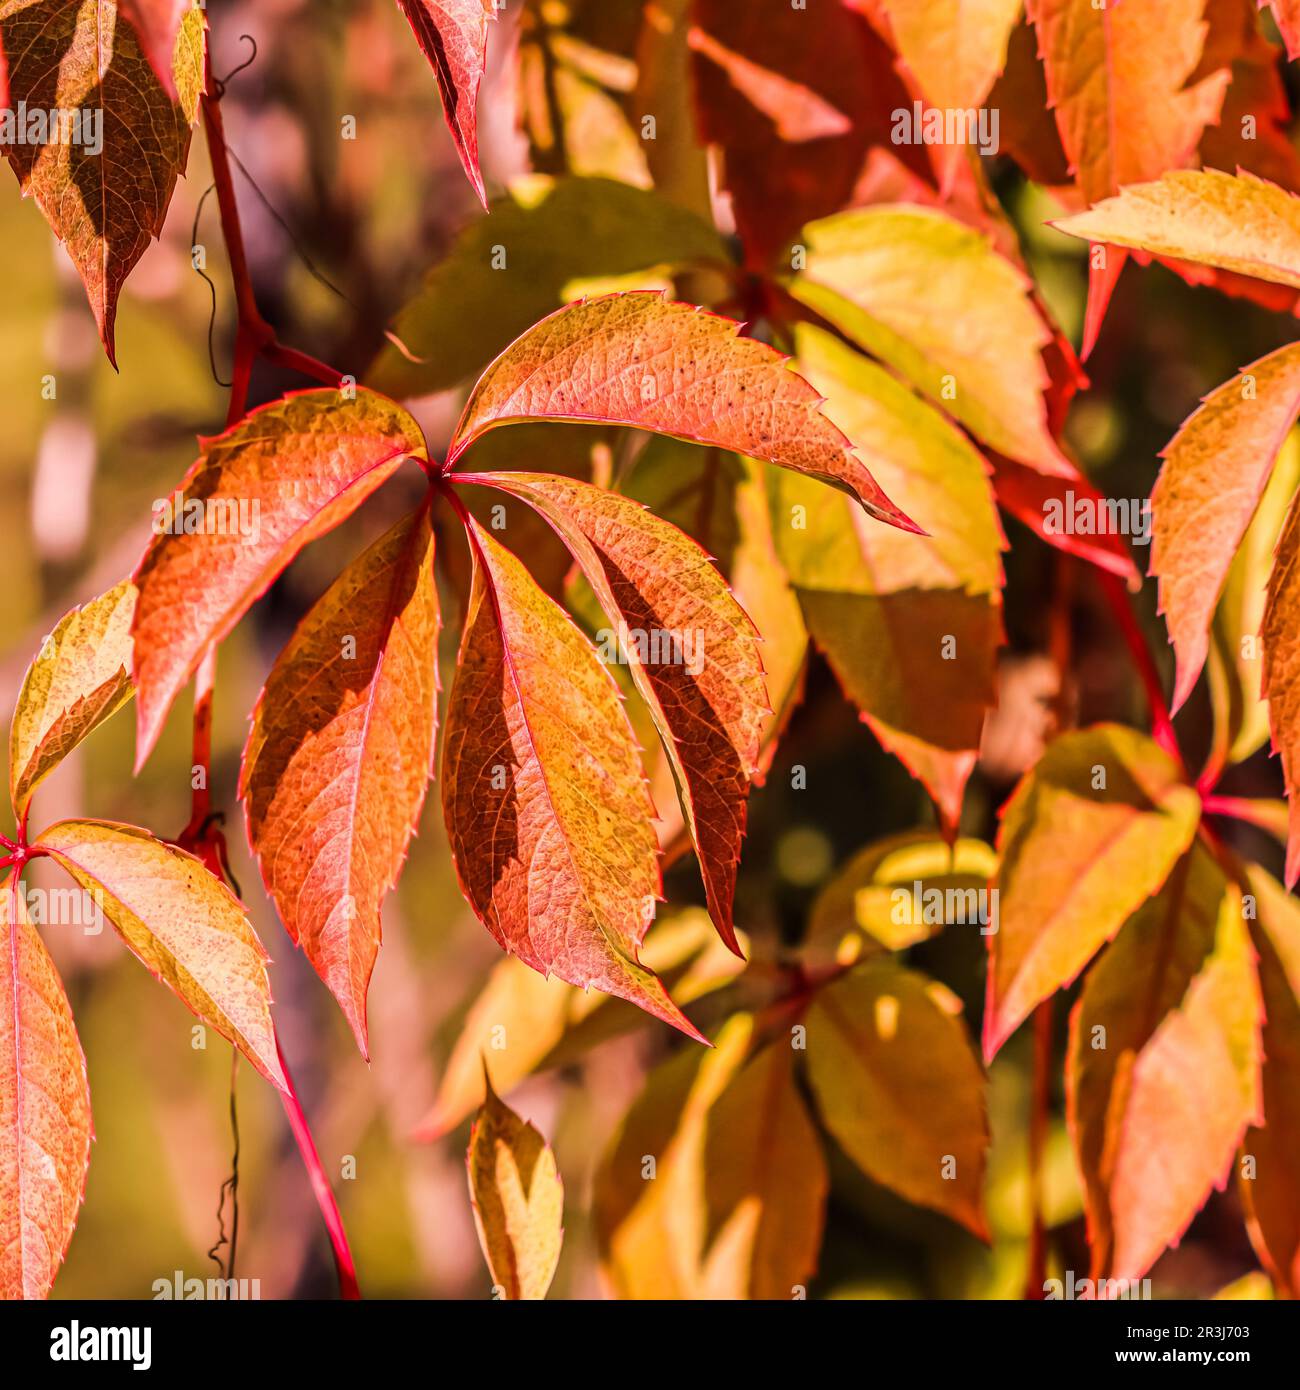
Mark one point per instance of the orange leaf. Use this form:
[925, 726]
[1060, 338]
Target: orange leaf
[1214, 474]
[156, 23]
[80, 678]
[691, 650]
[543, 793]
[897, 1083]
[639, 359]
[1116, 79]
[1163, 1066]
[1089, 834]
[286, 474]
[452, 35]
[518, 1200]
[108, 205]
[1272, 1196]
[1281, 685]
[339, 756]
[45, 1125]
[1287, 14]
[186, 927]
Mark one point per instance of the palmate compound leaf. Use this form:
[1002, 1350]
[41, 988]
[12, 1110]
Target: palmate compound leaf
[1163, 1063]
[185, 926]
[691, 650]
[80, 677]
[935, 301]
[736, 1204]
[284, 475]
[1215, 471]
[1089, 834]
[518, 1200]
[1233, 222]
[339, 756]
[543, 793]
[897, 1082]
[453, 36]
[106, 190]
[910, 624]
[1270, 1190]
[45, 1124]
[640, 359]
[526, 1023]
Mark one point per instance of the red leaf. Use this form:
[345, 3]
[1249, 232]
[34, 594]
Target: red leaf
[452, 35]
[286, 474]
[339, 756]
[156, 23]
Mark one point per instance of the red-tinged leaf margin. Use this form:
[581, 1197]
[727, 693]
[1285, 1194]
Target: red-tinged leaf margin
[453, 36]
[698, 784]
[848, 473]
[156, 24]
[28, 969]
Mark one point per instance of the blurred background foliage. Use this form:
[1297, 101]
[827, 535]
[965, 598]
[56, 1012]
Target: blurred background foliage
[350, 236]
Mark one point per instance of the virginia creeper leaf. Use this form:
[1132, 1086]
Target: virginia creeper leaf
[890, 611]
[1089, 834]
[518, 1200]
[105, 207]
[185, 926]
[765, 1184]
[45, 1124]
[1272, 1195]
[931, 298]
[339, 757]
[639, 359]
[80, 677]
[1215, 471]
[156, 24]
[1163, 1065]
[897, 1083]
[1281, 685]
[528, 1023]
[1287, 14]
[1234, 222]
[286, 474]
[543, 793]
[690, 647]
[1116, 80]
[453, 35]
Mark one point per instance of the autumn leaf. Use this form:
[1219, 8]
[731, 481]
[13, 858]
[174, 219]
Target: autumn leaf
[1116, 79]
[340, 753]
[1162, 1073]
[1090, 833]
[453, 35]
[691, 650]
[104, 206]
[518, 1200]
[45, 1124]
[765, 1184]
[931, 298]
[955, 49]
[543, 793]
[1235, 222]
[897, 1083]
[184, 925]
[1233, 662]
[1270, 1191]
[1287, 14]
[1215, 470]
[910, 624]
[80, 677]
[528, 1023]
[1281, 685]
[283, 476]
[639, 359]
[651, 1233]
